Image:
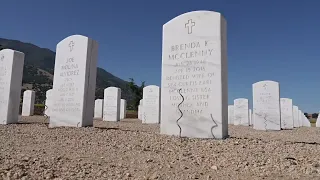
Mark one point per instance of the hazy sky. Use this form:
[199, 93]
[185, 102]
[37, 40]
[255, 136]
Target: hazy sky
[267, 40]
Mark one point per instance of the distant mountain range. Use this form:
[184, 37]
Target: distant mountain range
[38, 71]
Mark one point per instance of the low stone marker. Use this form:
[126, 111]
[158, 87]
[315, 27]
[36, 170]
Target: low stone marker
[28, 103]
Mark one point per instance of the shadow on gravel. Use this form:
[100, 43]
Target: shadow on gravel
[46, 123]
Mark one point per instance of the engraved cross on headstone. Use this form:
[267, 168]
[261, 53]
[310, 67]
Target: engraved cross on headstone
[2, 57]
[265, 86]
[71, 44]
[189, 25]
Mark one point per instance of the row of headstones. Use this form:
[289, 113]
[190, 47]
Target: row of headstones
[194, 81]
[290, 116]
[112, 104]
[111, 108]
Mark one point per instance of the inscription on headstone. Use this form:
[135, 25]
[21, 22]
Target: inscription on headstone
[111, 106]
[74, 82]
[286, 113]
[194, 90]
[266, 105]
[241, 112]
[11, 70]
[151, 104]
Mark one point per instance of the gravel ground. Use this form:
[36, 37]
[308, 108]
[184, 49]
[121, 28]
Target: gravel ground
[131, 150]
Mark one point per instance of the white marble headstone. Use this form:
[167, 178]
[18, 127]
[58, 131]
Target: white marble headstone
[266, 105]
[74, 82]
[151, 104]
[300, 118]
[28, 103]
[305, 120]
[111, 104]
[230, 114]
[140, 112]
[48, 102]
[295, 116]
[194, 82]
[318, 120]
[98, 108]
[286, 113]
[241, 112]
[123, 108]
[250, 117]
[11, 70]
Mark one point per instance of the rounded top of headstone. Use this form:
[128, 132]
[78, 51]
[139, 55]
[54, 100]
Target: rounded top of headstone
[241, 99]
[151, 89]
[11, 51]
[152, 86]
[7, 50]
[266, 81]
[195, 13]
[49, 92]
[286, 99]
[111, 89]
[76, 36]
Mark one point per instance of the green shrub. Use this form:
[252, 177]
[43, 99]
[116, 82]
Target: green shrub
[39, 105]
[313, 120]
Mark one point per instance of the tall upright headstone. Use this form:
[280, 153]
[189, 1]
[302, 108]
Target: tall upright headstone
[318, 120]
[98, 108]
[151, 104]
[139, 112]
[305, 121]
[11, 71]
[295, 116]
[266, 105]
[74, 82]
[123, 108]
[230, 114]
[194, 82]
[286, 113]
[250, 117]
[111, 104]
[241, 112]
[28, 103]
[48, 103]
[300, 118]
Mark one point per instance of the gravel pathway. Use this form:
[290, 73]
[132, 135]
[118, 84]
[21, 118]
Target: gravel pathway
[131, 150]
